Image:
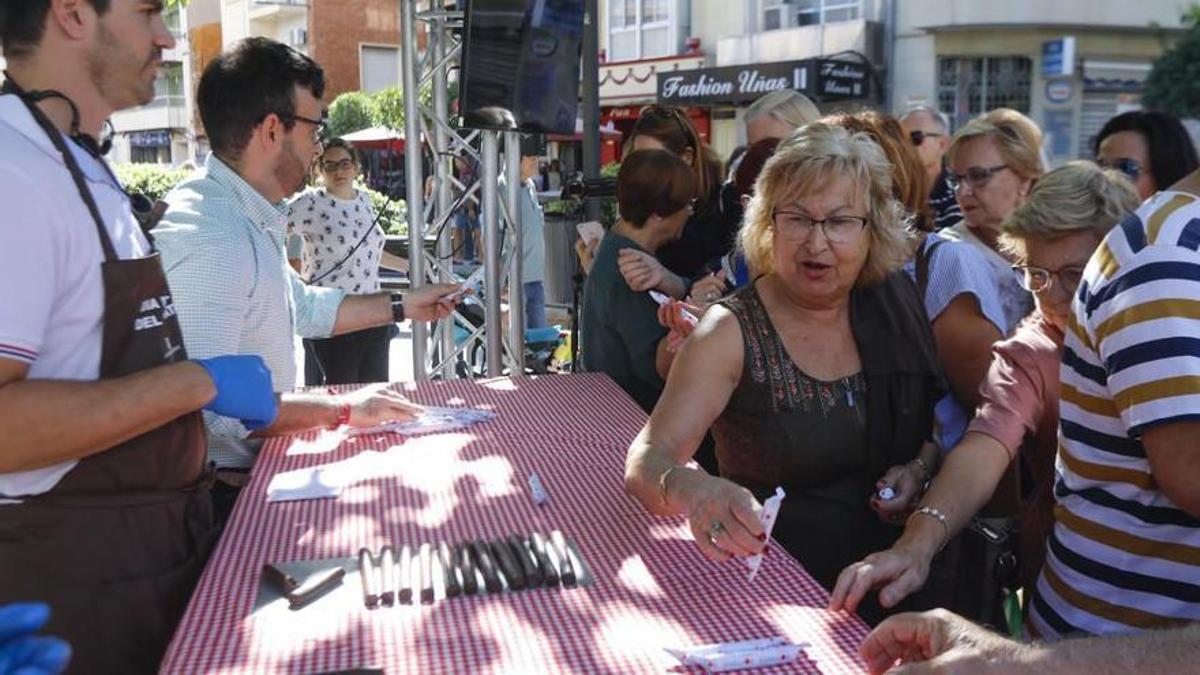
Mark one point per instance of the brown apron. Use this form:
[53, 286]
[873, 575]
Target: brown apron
[117, 546]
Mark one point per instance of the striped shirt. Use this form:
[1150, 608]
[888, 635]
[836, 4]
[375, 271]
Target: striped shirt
[1122, 557]
[943, 203]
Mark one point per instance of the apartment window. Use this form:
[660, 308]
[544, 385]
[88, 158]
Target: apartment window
[791, 13]
[169, 82]
[380, 68]
[171, 18]
[970, 86]
[641, 29]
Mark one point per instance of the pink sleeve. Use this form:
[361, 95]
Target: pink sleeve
[1011, 396]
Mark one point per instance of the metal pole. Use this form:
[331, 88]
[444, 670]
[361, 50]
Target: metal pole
[591, 101]
[516, 278]
[489, 205]
[445, 247]
[415, 195]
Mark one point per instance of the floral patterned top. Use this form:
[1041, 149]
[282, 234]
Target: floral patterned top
[331, 228]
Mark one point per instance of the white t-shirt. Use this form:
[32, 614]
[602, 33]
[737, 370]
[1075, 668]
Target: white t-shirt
[330, 228]
[52, 309]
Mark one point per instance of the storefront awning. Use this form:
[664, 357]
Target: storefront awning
[1117, 76]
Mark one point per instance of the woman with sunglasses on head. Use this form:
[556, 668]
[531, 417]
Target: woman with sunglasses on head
[343, 248]
[817, 376]
[1151, 147]
[708, 234]
[1051, 237]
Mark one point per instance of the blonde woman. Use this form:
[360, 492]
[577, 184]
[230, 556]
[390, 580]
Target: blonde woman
[817, 377]
[1051, 237]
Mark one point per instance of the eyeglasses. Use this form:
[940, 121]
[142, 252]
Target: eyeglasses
[1037, 279]
[798, 226]
[1129, 167]
[340, 165]
[976, 177]
[918, 137]
[319, 126]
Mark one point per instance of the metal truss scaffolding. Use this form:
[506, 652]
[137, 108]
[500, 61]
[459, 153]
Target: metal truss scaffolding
[429, 225]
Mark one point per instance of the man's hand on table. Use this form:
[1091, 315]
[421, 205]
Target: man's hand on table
[940, 641]
[378, 404]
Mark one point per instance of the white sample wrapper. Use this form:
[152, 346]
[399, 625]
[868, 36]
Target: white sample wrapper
[727, 656]
[769, 512]
[537, 490]
[663, 299]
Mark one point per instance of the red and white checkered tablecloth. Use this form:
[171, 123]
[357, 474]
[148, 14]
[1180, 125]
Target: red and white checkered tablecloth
[653, 588]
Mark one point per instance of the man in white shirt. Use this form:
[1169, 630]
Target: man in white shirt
[223, 241]
[104, 504]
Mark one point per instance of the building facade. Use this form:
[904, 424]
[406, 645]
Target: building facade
[1070, 65]
[714, 58]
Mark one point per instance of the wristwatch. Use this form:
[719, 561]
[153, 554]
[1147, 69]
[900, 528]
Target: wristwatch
[397, 307]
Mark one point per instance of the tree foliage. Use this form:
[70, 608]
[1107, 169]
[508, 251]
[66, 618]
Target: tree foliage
[152, 180]
[350, 112]
[1173, 85]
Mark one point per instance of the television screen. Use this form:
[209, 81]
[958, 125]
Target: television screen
[520, 68]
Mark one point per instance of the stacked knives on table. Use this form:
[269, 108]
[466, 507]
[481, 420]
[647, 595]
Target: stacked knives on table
[421, 573]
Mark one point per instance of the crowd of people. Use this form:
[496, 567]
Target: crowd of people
[910, 328]
[873, 314]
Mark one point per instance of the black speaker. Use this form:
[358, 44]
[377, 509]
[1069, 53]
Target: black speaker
[520, 69]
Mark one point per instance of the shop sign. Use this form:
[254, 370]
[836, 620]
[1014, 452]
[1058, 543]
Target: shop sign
[1058, 57]
[841, 79]
[732, 84]
[156, 138]
[1058, 91]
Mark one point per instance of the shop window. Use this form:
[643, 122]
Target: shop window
[970, 86]
[168, 84]
[154, 154]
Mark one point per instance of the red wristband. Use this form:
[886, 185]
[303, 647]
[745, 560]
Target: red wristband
[343, 416]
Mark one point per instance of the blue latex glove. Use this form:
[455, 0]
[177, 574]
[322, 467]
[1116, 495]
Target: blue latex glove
[22, 652]
[244, 389]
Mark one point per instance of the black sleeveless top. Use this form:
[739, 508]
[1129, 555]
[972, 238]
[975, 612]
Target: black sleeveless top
[827, 442]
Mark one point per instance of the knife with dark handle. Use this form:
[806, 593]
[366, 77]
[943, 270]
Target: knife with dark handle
[529, 566]
[538, 544]
[462, 553]
[483, 558]
[426, 563]
[446, 557]
[567, 569]
[370, 579]
[508, 565]
[404, 591]
[387, 574]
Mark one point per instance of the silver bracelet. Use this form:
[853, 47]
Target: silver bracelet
[924, 470]
[937, 515]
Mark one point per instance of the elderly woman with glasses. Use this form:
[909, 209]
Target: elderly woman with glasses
[816, 377]
[1051, 237]
[343, 248]
[972, 296]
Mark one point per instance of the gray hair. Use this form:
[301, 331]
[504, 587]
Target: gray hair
[936, 115]
[787, 105]
[1076, 197]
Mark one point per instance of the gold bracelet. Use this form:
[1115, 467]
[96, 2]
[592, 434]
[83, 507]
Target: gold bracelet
[937, 515]
[662, 482]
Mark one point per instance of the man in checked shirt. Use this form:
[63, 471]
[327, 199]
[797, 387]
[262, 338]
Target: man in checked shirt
[223, 246]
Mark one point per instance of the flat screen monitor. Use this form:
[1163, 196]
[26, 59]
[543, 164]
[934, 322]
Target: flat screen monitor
[520, 68]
